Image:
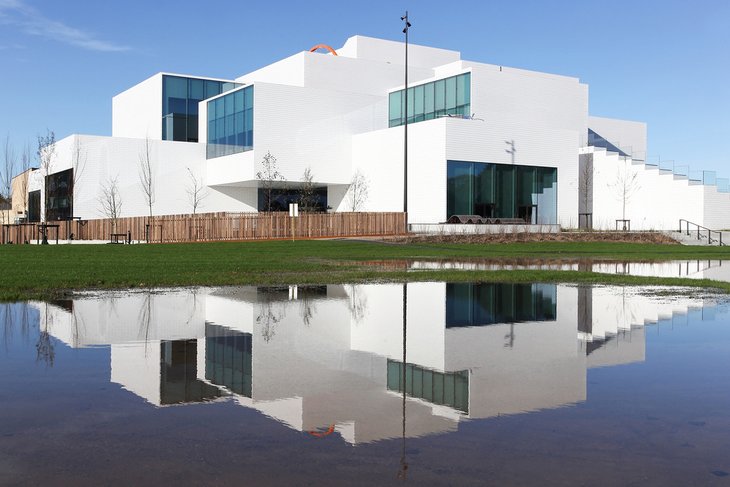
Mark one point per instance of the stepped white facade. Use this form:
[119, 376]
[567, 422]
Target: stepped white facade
[484, 140]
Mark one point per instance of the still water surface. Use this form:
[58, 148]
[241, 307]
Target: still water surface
[688, 269]
[497, 384]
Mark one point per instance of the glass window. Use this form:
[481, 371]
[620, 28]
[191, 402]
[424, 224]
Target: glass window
[279, 199]
[449, 96]
[428, 102]
[440, 96]
[196, 89]
[459, 187]
[502, 191]
[212, 88]
[230, 123]
[410, 106]
[220, 111]
[60, 187]
[228, 103]
[180, 98]
[394, 108]
[463, 89]
[418, 103]
[174, 88]
[238, 101]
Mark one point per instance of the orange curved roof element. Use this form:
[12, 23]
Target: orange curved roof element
[331, 429]
[323, 46]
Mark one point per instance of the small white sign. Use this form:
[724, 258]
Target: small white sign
[293, 210]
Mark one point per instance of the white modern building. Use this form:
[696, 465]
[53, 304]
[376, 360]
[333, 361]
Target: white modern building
[484, 140]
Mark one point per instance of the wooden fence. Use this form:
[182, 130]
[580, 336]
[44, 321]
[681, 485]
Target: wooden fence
[217, 226]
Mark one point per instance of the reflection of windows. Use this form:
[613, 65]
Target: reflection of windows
[491, 303]
[179, 374]
[283, 293]
[443, 388]
[502, 191]
[445, 97]
[228, 358]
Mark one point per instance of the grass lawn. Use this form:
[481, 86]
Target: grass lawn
[42, 272]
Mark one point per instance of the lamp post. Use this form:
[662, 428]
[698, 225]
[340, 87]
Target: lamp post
[405, 124]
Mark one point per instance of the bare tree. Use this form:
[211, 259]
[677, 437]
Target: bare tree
[6, 175]
[358, 302]
[269, 176]
[78, 164]
[270, 314]
[195, 190]
[625, 186]
[46, 154]
[145, 319]
[358, 191]
[110, 201]
[45, 351]
[146, 174]
[25, 158]
[307, 191]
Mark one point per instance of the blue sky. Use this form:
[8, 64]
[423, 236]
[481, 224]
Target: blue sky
[666, 63]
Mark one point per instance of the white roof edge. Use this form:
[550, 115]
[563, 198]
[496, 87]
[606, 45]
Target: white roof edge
[166, 73]
[614, 118]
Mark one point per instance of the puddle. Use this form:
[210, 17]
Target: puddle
[450, 384]
[717, 270]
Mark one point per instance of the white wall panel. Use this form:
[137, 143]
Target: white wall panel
[137, 112]
[379, 156]
[116, 157]
[309, 127]
[627, 135]
[535, 145]
[392, 52]
[288, 71]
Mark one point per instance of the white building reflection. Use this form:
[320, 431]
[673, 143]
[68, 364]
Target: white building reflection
[329, 359]
[688, 269]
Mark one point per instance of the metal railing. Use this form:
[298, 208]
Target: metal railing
[702, 232]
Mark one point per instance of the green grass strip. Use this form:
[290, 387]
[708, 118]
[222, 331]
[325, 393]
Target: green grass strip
[45, 272]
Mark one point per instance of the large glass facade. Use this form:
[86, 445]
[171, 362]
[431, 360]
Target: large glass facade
[279, 199]
[491, 303]
[230, 123]
[180, 98]
[442, 388]
[502, 191]
[441, 98]
[60, 196]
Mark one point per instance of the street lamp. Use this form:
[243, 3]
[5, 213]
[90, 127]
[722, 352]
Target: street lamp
[405, 124]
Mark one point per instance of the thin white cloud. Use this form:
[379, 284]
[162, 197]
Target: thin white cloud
[29, 20]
